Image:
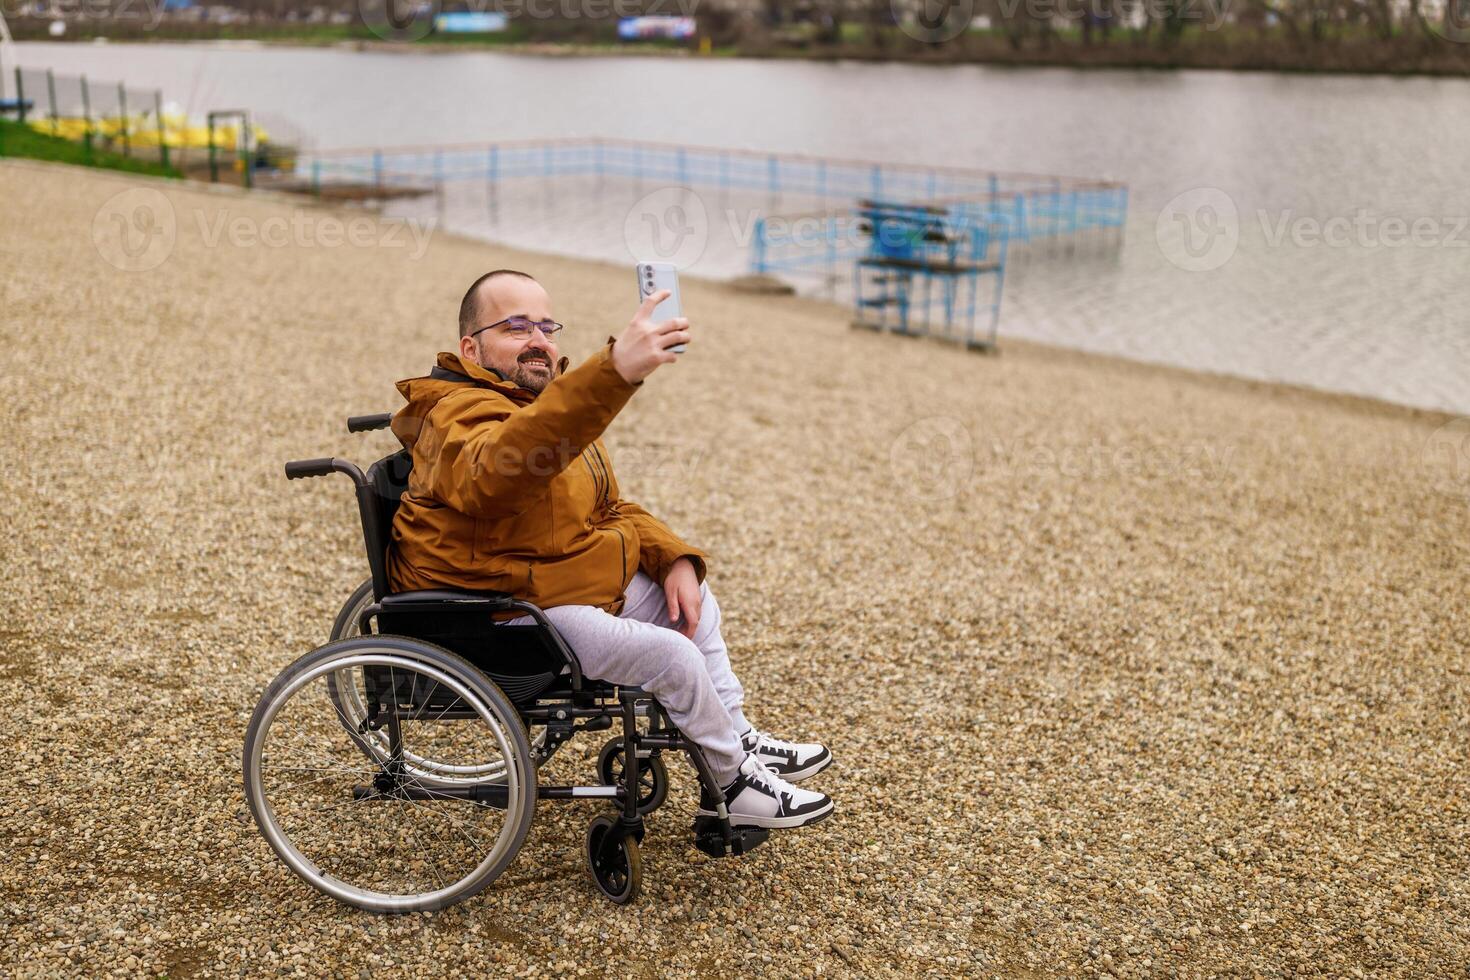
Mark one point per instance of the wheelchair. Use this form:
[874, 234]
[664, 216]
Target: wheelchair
[394, 767]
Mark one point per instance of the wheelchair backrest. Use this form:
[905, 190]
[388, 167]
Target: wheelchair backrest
[387, 479]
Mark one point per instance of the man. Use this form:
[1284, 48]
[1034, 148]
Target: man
[512, 490]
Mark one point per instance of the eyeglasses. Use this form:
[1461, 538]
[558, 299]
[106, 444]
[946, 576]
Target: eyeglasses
[520, 327]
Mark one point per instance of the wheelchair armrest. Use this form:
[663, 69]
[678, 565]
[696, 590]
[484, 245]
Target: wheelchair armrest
[429, 600]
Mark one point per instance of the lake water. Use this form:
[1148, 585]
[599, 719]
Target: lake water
[1311, 230]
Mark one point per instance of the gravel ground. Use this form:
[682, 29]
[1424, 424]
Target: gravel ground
[1127, 670]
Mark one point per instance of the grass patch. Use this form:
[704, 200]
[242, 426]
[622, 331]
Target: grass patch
[19, 140]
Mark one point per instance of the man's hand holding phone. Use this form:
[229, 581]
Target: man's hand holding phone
[644, 344]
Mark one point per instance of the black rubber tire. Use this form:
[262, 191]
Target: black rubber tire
[616, 868]
[653, 776]
[519, 822]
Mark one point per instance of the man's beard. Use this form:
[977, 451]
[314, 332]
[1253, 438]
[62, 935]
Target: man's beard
[533, 377]
[525, 375]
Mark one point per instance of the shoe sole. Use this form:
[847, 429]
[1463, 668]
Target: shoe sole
[775, 823]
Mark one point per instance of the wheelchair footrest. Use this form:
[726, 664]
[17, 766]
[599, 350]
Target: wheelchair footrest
[710, 839]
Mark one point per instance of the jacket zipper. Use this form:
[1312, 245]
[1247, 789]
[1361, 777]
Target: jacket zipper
[607, 502]
[596, 481]
[624, 543]
[606, 478]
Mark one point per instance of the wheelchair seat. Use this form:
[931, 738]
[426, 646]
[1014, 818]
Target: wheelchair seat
[521, 659]
[518, 658]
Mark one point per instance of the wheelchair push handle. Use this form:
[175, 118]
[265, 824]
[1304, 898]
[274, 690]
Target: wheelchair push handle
[367, 423]
[300, 469]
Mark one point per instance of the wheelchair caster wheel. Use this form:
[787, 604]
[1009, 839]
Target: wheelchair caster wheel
[653, 777]
[614, 860]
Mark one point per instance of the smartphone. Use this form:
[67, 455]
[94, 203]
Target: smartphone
[653, 276]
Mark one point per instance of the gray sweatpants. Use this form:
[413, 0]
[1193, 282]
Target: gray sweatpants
[691, 678]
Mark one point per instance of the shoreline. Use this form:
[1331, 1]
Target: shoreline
[1021, 61]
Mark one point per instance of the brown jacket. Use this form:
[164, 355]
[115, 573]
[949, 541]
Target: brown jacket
[512, 491]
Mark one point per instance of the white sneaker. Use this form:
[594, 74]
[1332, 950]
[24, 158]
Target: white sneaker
[760, 798]
[792, 761]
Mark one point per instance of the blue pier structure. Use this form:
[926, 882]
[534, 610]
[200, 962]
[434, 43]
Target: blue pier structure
[918, 239]
[915, 250]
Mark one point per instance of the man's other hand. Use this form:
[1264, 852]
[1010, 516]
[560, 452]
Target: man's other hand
[643, 344]
[681, 589]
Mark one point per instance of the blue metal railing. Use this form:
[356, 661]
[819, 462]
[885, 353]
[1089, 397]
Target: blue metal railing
[1047, 205]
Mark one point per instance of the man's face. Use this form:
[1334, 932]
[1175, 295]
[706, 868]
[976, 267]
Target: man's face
[528, 361]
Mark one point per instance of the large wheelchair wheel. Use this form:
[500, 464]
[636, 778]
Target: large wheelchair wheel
[371, 832]
[347, 691]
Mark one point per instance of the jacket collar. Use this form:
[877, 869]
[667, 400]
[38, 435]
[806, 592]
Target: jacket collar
[452, 367]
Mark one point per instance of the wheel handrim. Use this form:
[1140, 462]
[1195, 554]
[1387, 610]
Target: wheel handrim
[459, 824]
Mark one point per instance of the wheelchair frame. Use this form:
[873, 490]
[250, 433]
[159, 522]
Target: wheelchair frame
[530, 667]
